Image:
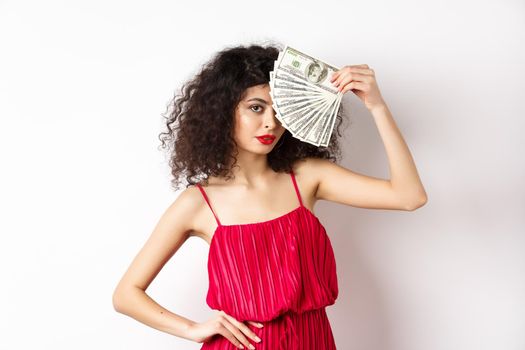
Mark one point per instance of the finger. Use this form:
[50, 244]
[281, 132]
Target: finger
[234, 335]
[340, 78]
[239, 329]
[338, 73]
[355, 85]
[335, 75]
[349, 76]
[362, 70]
[247, 331]
[224, 329]
[256, 324]
[228, 330]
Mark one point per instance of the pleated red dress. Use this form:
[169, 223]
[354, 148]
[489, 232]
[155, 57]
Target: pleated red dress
[281, 273]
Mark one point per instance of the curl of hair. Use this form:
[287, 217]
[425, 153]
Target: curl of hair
[200, 119]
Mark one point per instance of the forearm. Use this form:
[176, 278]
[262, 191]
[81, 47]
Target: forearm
[135, 303]
[403, 172]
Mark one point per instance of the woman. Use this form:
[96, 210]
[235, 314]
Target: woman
[271, 275]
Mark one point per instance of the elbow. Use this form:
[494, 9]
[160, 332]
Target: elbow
[118, 301]
[417, 203]
[124, 298]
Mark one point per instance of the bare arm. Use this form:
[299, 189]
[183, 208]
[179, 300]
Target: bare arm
[404, 178]
[130, 296]
[404, 190]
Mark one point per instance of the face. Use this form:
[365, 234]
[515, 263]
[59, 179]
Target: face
[255, 116]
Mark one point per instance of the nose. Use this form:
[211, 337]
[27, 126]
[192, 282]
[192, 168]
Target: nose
[270, 119]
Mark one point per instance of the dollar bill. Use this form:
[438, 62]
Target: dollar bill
[305, 101]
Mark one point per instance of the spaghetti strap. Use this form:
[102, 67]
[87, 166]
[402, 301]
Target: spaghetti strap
[296, 188]
[207, 201]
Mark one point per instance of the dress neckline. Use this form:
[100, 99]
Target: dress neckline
[218, 228]
[260, 222]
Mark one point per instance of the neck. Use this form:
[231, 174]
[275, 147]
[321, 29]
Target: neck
[251, 169]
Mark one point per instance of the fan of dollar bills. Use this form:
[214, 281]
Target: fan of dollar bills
[305, 101]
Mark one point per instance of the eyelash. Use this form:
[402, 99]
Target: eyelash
[256, 106]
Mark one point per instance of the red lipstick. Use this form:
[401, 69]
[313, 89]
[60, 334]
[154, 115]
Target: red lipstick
[266, 139]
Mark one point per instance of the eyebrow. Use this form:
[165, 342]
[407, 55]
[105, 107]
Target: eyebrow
[258, 99]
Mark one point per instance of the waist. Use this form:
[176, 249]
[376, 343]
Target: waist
[292, 326]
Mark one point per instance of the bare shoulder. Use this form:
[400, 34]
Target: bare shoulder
[179, 216]
[308, 174]
[186, 209]
[310, 169]
[198, 219]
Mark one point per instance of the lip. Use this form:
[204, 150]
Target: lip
[266, 139]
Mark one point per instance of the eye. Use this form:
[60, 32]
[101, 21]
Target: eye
[256, 106]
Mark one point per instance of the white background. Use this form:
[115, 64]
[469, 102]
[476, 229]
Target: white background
[82, 88]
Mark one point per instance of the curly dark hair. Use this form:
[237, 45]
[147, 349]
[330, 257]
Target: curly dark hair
[199, 140]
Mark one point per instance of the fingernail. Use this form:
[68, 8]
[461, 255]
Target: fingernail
[257, 339]
[241, 346]
[260, 325]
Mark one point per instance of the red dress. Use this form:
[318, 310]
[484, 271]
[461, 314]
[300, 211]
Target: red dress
[281, 273]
